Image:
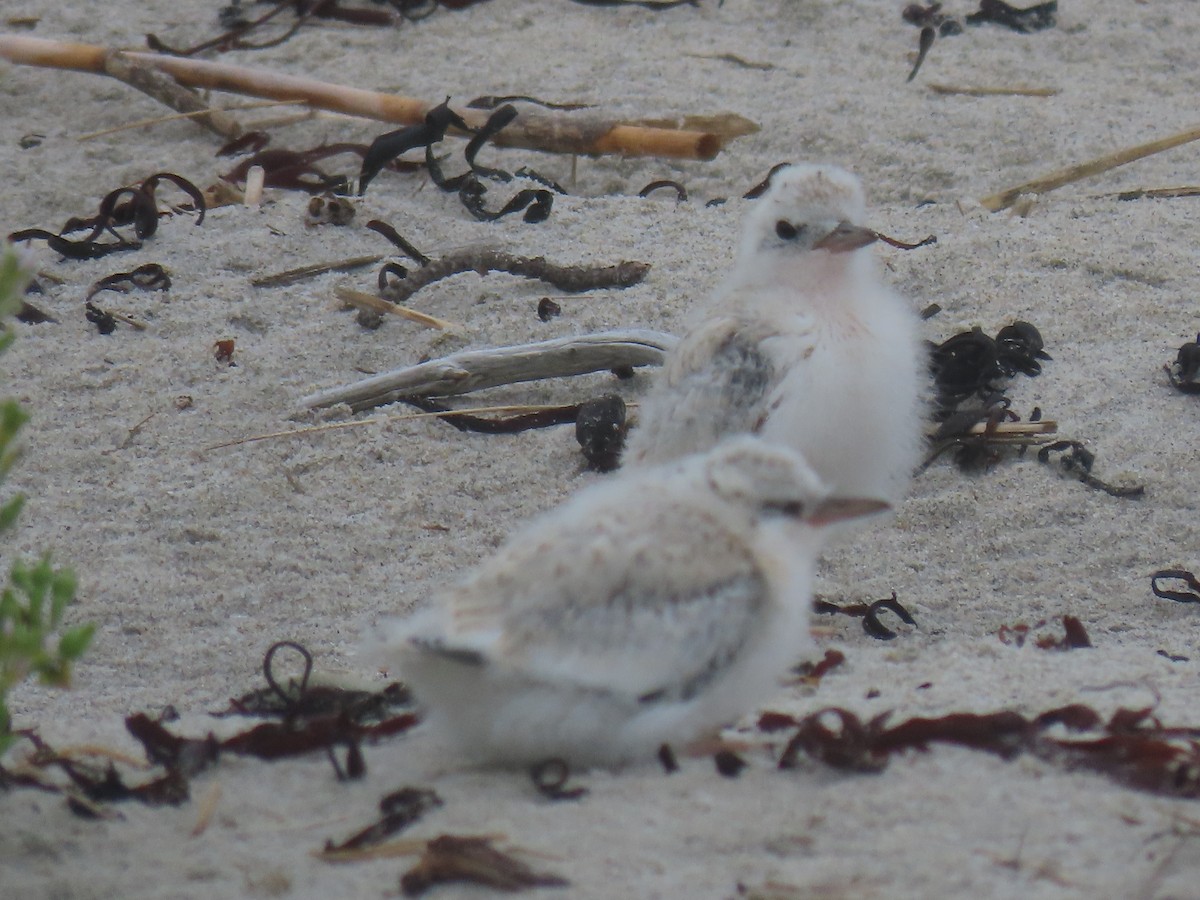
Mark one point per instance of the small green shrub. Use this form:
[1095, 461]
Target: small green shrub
[35, 598]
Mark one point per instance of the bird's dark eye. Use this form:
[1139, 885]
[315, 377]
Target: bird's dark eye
[787, 230]
[793, 509]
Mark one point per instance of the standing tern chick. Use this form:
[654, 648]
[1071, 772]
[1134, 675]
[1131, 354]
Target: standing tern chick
[803, 345]
[652, 608]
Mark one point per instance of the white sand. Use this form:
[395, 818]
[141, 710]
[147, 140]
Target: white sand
[191, 563]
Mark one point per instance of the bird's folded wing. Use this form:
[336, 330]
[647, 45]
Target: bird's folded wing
[646, 645]
[715, 383]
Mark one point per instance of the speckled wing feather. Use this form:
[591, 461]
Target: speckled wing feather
[616, 604]
[713, 384]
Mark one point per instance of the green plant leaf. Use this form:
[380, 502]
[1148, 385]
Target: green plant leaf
[75, 641]
[10, 510]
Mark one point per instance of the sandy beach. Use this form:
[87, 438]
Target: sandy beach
[192, 561]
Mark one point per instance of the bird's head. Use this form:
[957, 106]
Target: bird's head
[808, 208]
[772, 483]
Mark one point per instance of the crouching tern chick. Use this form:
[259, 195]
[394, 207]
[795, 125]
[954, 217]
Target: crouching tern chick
[652, 608]
[803, 345]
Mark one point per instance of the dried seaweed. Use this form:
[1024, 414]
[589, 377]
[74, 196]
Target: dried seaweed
[312, 719]
[386, 147]
[451, 858]
[389, 232]
[1074, 637]
[869, 613]
[148, 277]
[33, 315]
[490, 101]
[934, 23]
[600, 429]
[1191, 595]
[681, 193]
[654, 5]
[928, 35]
[1077, 460]
[1023, 21]
[296, 170]
[543, 418]
[551, 777]
[238, 28]
[399, 809]
[969, 364]
[666, 758]
[813, 672]
[537, 202]
[90, 783]
[71, 249]
[134, 206]
[728, 764]
[1133, 747]
[571, 279]
[223, 351]
[104, 321]
[1183, 374]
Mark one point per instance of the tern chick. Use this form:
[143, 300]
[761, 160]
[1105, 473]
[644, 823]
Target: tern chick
[803, 345]
[651, 608]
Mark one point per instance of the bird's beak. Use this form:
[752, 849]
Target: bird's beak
[846, 237]
[839, 509]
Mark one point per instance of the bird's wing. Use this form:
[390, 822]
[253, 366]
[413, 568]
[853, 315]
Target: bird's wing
[650, 646]
[632, 604]
[714, 383]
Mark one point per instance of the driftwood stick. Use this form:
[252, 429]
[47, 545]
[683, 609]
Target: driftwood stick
[1005, 199]
[167, 90]
[572, 279]
[576, 133]
[473, 370]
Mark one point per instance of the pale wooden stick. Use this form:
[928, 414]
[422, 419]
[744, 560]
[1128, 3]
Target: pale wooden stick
[256, 177]
[554, 133]
[1005, 199]
[993, 91]
[363, 300]
[208, 808]
[473, 370]
[1008, 429]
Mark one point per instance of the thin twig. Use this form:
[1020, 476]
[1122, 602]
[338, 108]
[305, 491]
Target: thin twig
[291, 276]
[1015, 91]
[472, 370]
[1005, 199]
[381, 420]
[1171, 193]
[481, 260]
[362, 300]
[158, 120]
